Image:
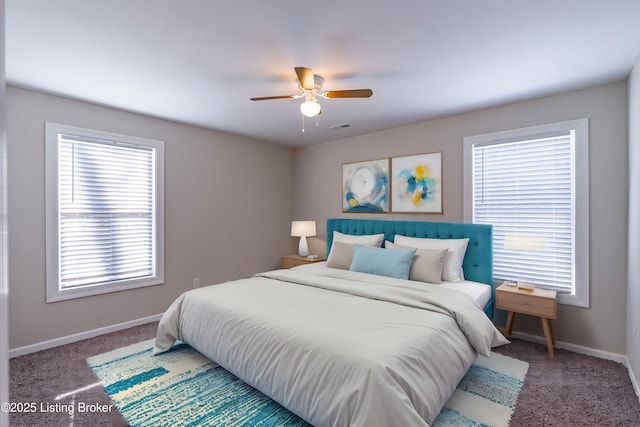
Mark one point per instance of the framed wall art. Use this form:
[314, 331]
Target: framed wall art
[365, 187]
[417, 183]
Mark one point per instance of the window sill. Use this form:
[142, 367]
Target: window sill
[55, 295]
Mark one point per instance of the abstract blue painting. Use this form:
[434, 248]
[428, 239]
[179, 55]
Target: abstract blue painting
[365, 187]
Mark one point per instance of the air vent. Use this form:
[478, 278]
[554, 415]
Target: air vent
[340, 126]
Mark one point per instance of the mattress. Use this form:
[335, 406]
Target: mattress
[479, 292]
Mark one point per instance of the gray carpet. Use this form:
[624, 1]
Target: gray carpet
[571, 390]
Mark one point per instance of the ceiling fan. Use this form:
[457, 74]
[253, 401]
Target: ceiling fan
[311, 87]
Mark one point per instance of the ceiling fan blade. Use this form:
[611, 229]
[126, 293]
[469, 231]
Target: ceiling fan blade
[266, 98]
[354, 93]
[305, 76]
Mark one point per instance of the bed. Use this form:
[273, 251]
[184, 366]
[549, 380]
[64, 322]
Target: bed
[346, 348]
[478, 259]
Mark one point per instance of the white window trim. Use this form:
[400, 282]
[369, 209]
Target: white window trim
[581, 126]
[54, 293]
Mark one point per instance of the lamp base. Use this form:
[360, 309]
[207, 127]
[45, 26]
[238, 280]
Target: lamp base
[303, 249]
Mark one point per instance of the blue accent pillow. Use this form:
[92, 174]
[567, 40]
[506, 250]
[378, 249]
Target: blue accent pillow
[383, 262]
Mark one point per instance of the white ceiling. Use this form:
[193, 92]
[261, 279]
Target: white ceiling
[199, 61]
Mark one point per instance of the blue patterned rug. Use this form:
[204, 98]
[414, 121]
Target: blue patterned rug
[184, 388]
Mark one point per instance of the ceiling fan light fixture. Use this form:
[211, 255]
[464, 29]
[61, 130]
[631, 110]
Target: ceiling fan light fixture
[310, 108]
[310, 87]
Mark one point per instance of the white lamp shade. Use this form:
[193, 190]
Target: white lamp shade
[303, 228]
[310, 108]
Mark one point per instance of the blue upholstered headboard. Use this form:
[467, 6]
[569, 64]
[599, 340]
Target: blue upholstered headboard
[478, 260]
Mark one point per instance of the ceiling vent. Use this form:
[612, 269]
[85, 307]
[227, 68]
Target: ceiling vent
[340, 126]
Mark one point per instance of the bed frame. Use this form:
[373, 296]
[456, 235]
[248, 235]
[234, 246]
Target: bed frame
[478, 260]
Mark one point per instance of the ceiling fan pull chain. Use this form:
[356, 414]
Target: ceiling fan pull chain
[302, 123]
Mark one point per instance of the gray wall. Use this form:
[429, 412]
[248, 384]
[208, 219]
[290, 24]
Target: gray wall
[633, 283]
[228, 207]
[317, 192]
[215, 225]
[4, 282]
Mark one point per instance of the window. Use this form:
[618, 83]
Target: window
[104, 212]
[531, 184]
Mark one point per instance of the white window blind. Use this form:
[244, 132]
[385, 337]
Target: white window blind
[106, 212]
[531, 185]
[525, 189]
[105, 233]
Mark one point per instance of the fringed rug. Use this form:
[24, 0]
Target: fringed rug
[183, 388]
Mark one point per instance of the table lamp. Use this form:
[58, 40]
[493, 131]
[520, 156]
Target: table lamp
[303, 229]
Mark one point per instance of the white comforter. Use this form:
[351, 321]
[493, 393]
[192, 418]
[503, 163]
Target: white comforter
[337, 348]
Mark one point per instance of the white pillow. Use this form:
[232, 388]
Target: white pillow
[427, 263]
[362, 240]
[344, 254]
[452, 269]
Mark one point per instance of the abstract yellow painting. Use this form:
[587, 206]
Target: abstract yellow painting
[416, 183]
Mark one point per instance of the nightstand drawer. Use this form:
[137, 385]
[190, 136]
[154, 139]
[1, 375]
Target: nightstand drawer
[290, 261]
[527, 304]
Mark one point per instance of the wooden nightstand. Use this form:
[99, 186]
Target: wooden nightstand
[290, 261]
[536, 302]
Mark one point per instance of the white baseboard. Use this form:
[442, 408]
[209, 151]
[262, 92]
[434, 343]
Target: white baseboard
[634, 381]
[620, 358]
[44, 345]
